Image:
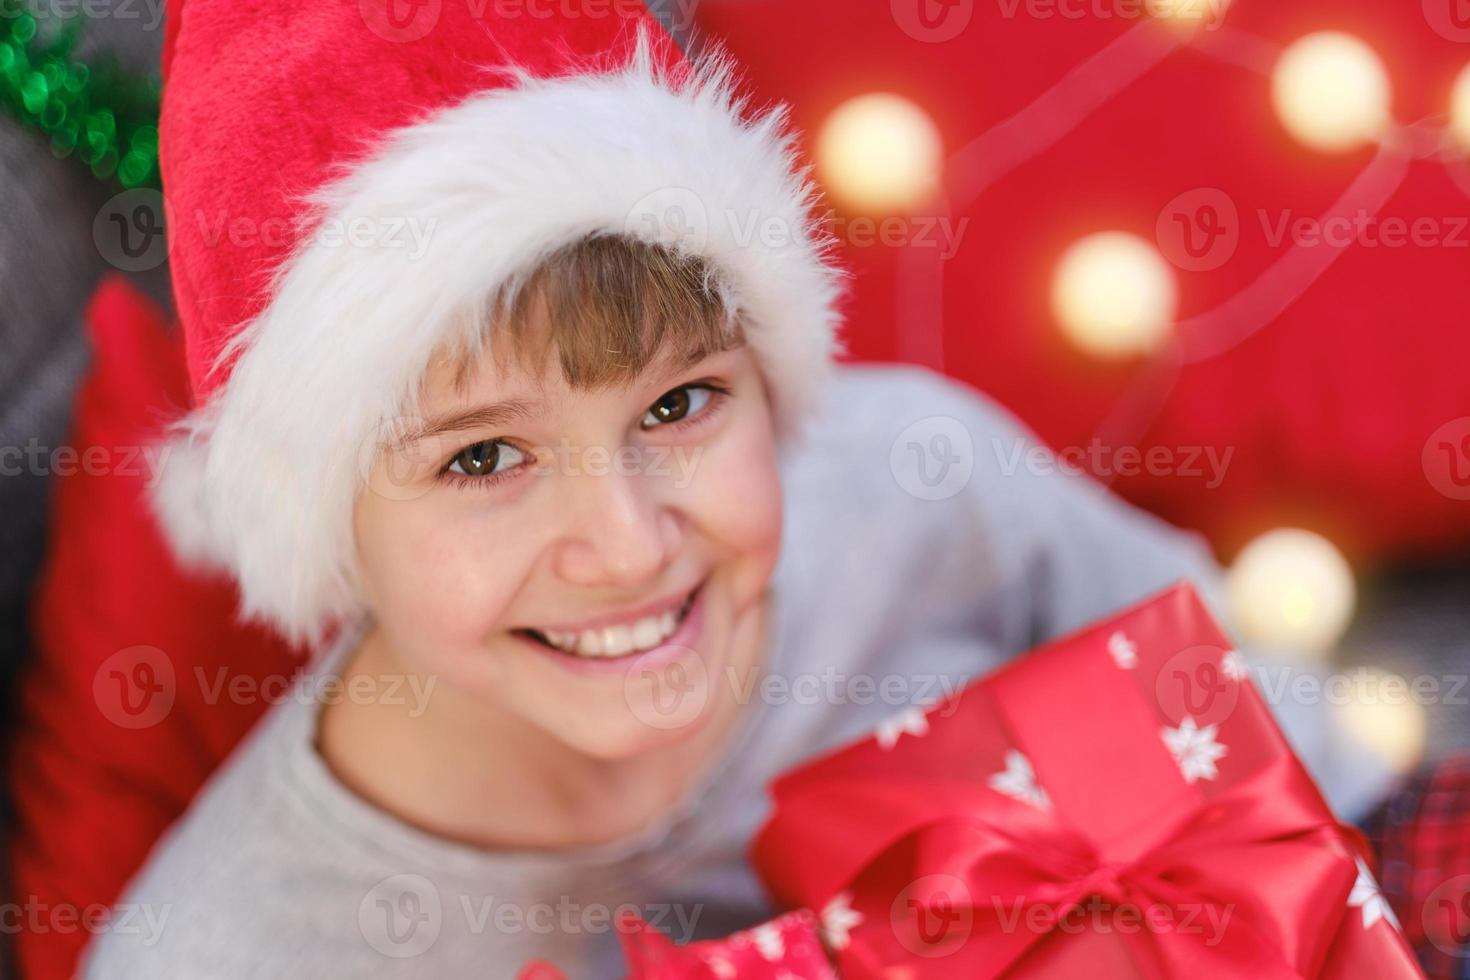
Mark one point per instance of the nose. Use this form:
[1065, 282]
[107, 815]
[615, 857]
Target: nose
[619, 532]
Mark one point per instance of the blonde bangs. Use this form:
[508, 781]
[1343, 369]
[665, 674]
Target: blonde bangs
[608, 307]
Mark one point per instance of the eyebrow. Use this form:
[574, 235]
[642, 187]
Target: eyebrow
[481, 416]
[520, 409]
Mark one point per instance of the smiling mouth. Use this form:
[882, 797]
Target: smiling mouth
[620, 640]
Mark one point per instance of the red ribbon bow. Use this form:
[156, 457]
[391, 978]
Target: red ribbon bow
[1243, 877]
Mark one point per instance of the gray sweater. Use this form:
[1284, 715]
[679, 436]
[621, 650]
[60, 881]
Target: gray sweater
[924, 545]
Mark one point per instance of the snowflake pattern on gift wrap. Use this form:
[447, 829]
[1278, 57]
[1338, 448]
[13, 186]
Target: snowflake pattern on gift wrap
[1018, 781]
[1195, 749]
[720, 966]
[1366, 896]
[1234, 666]
[839, 918]
[769, 942]
[1123, 650]
[767, 939]
[911, 721]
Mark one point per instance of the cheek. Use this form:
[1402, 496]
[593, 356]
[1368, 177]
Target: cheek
[734, 490]
[438, 577]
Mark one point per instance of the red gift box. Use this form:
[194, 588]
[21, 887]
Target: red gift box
[1119, 803]
[785, 948]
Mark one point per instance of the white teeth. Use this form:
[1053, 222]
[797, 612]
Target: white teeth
[615, 641]
[647, 633]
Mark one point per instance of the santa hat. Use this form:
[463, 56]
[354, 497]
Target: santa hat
[342, 177]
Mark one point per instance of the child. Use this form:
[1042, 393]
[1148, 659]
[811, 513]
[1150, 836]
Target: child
[590, 533]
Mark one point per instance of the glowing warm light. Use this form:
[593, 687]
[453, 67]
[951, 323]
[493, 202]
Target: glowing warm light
[1189, 14]
[1114, 295]
[880, 154]
[1331, 92]
[1382, 712]
[1460, 109]
[1292, 590]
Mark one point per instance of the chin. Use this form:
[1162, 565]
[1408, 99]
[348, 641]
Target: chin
[647, 716]
[622, 743]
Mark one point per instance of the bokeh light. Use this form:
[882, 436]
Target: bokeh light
[880, 154]
[1189, 14]
[1291, 589]
[1460, 110]
[1332, 92]
[1114, 295]
[1381, 712]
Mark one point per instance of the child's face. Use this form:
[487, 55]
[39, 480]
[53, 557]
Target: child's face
[583, 506]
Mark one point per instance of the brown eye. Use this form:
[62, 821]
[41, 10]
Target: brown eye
[484, 458]
[677, 405]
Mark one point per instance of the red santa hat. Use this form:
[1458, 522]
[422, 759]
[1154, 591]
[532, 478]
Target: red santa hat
[344, 179]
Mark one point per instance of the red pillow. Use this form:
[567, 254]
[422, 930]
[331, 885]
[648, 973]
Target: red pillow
[142, 680]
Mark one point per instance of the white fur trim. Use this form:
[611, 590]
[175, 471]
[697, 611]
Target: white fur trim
[262, 480]
[178, 497]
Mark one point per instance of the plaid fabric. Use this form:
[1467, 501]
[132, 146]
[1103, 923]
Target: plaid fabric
[1422, 838]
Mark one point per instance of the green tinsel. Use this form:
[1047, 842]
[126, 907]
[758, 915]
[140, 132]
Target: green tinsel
[99, 114]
